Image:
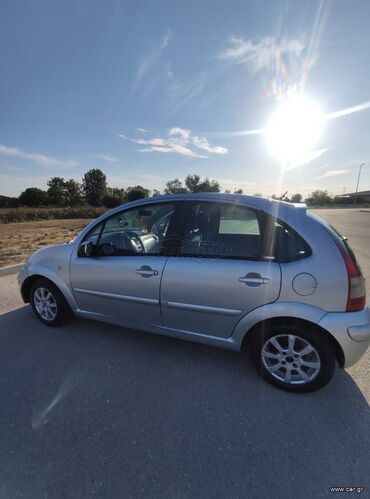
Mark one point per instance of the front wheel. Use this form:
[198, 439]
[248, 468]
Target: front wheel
[294, 358]
[48, 303]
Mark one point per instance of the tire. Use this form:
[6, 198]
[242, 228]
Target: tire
[274, 358]
[45, 296]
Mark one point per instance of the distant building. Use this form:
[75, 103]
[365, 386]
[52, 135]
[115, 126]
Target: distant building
[361, 197]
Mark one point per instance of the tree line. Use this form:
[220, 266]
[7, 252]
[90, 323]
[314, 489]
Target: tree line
[94, 191]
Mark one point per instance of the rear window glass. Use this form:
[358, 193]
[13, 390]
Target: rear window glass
[238, 220]
[216, 230]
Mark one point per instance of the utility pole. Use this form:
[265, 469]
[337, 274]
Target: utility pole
[358, 181]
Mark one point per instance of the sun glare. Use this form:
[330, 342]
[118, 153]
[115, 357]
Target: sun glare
[294, 130]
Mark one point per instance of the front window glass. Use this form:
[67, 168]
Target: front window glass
[139, 231]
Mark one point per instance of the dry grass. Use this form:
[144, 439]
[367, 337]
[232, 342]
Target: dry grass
[19, 240]
[24, 214]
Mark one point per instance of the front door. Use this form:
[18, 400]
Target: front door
[219, 275]
[120, 280]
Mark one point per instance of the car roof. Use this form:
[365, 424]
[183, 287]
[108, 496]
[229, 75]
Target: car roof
[266, 204]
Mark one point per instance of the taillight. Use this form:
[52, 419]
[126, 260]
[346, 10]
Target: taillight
[356, 283]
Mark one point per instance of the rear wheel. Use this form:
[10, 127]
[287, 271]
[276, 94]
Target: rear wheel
[48, 303]
[295, 358]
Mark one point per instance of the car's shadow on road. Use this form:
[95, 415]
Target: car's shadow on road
[95, 410]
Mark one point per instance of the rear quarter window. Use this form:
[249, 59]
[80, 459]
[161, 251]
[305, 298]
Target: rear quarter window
[284, 244]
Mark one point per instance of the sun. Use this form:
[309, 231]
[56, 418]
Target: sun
[294, 129]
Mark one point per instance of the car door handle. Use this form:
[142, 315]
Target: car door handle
[146, 271]
[253, 279]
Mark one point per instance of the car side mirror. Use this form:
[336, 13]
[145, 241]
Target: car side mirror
[86, 249]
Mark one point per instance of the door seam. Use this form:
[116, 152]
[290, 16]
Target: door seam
[160, 290]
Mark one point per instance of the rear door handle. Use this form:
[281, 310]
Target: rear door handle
[146, 271]
[254, 279]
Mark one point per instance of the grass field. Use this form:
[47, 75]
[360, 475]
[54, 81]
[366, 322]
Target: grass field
[24, 214]
[19, 240]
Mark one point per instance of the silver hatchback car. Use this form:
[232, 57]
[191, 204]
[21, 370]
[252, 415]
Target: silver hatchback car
[225, 270]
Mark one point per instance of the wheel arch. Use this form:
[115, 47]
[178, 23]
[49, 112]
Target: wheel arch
[27, 286]
[53, 279]
[293, 321]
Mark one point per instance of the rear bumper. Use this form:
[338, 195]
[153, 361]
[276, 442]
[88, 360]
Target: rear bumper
[351, 330]
[360, 333]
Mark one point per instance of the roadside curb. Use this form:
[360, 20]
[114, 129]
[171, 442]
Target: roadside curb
[11, 269]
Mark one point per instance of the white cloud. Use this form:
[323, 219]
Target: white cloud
[152, 142]
[333, 173]
[156, 149]
[180, 141]
[263, 54]
[182, 133]
[151, 60]
[41, 159]
[202, 143]
[108, 158]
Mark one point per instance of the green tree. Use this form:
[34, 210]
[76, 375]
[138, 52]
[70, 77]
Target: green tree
[209, 186]
[296, 198]
[8, 202]
[32, 196]
[259, 195]
[174, 187]
[94, 186]
[136, 192]
[319, 198]
[114, 197]
[56, 191]
[238, 191]
[73, 193]
[156, 192]
[194, 184]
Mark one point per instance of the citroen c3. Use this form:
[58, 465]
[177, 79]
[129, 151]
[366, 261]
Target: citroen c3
[234, 271]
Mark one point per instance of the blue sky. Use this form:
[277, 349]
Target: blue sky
[152, 90]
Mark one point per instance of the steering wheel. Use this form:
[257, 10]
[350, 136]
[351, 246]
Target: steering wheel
[134, 242]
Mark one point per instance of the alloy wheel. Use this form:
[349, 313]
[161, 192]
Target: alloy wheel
[291, 359]
[45, 304]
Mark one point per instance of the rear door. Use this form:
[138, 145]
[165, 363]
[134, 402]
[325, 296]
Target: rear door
[219, 273]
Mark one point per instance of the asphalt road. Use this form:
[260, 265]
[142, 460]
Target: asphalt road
[93, 410]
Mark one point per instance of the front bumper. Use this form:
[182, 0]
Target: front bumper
[21, 277]
[351, 330]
